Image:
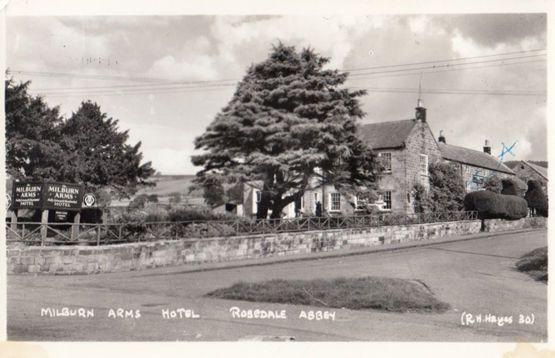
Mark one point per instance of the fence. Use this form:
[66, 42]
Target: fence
[101, 234]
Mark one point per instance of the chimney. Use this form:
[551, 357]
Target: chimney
[442, 137]
[487, 148]
[420, 111]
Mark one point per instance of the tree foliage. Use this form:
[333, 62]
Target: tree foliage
[510, 187]
[536, 198]
[86, 148]
[493, 184]
[446, 192]
[290, 126]
[32, 134]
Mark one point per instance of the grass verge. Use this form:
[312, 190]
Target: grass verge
[381, 293]
[534, 264]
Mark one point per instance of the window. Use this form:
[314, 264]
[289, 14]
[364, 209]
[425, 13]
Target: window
[386, 160]
[335, 201]
[423, 164]
[387, 200]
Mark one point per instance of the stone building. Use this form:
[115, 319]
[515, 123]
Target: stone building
[530, 171]
[406, 147]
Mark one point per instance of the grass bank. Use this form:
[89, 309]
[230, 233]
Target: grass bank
[381, 293]
[534, 264]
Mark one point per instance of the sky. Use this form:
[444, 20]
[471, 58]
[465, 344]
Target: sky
[123, 62]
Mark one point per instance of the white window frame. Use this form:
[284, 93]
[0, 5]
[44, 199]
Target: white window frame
[331, 206]
[384, 155]
[423, 161]
[384, 197]
[256, 198]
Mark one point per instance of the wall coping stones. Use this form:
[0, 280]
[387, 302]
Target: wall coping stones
[79, 259]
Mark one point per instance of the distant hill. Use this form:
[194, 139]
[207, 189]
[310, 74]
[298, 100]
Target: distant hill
[512, 163]
[169, 184]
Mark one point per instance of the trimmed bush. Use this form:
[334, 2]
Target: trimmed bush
[490, 205]
[510, 187]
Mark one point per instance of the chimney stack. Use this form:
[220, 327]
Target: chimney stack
[420, 111]
[442, 137]
[487, 148]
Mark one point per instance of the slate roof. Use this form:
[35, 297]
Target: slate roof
[382, 135]
[539, 169]
[472, 157]
[393, 134]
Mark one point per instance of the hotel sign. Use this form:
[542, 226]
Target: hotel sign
[59, 196]
[27, 195]
[55, 196]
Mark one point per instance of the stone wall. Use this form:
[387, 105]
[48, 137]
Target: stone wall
[137, 256]
[495, 225]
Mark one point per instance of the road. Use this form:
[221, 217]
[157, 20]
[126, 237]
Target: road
[474, 276]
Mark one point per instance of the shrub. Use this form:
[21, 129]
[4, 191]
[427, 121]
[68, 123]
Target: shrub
[510, 187]
[535, 264]
[191, 214]
[536, 198]
[493, 184]
[490, 205]
[516, 207]
[138, 202]
[420, 198]
[175, 198]
[155, 213]
[446, 188]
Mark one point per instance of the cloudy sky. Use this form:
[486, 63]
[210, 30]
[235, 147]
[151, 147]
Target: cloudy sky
[129, 65]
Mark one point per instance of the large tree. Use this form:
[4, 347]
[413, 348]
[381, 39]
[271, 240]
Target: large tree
[86, 148]
[32, 134]
[99, 153]
[290, 126]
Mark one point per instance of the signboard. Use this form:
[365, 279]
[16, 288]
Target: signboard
[27, 195]
[89, 200]
[61, 215]
[60, 196]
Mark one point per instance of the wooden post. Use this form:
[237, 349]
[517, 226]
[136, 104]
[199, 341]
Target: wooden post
[43, 227]
[13, 221]
[75, 226]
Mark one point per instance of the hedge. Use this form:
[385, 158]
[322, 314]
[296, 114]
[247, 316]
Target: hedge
[490, 205]
[536, 198]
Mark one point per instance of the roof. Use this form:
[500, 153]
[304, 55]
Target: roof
[382, 135]
[472, 157]
[539, 169]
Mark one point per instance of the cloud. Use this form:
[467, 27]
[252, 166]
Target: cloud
[222, 47]
[491, 29]
[60, 46]
[332, 36]
[196, 68]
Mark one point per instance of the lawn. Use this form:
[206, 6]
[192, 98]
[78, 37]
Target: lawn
[380, 293]
[534, 264]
